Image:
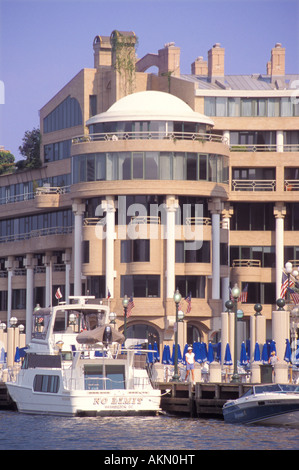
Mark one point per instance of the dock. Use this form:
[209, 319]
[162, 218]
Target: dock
[199, 400]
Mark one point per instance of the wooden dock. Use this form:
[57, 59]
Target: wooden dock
[199, 400]
[6, 402]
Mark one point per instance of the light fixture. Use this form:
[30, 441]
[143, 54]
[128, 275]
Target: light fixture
[177, 297]
[112, 317]
[2, 326]
[13, 322]
[21, 328]
[181, 315]
[235, 292]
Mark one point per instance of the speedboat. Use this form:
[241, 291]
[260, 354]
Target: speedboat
[268, 404]
[75, 365]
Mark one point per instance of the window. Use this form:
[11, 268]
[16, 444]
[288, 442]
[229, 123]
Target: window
[92, 105]
[194, 284]
[140, 286]
[18, 299]
[183, 255]
[67, 114]
[253, 216]
[46, 383]
[135, 250]
[85, 251]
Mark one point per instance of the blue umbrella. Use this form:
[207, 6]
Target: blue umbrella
[166, 355]
[288, 352]
[265, 355]
[196, 350]
[218, 352]
[257, 353]
[210, 353]
[17, 355]
[150, 355]
[272, 347]
[204, 352]
[243, 355]
[2, 356]
[156, 352]
[227, 357]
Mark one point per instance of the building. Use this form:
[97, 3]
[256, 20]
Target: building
[134, 165]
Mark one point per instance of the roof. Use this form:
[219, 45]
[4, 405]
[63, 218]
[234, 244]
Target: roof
[150, 105]
[243, 82]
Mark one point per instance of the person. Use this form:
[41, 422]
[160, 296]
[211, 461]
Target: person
[190, 361]
[273, 359]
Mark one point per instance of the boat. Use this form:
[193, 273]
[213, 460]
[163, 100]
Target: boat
[266, 404]
[75, 365]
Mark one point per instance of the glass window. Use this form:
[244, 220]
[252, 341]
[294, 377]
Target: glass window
[203, 167]
[273, 107]
[100, 170]
[151, 165]
[234, 106]
[124, 166]
[137, 165]
[178, 166]
[191, 166]
[221, 106]
[165, 166]
[112, 164]
[90, 167]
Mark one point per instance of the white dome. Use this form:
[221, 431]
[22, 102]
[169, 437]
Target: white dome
[150, 106]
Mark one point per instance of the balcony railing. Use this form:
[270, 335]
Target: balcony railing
[253, 185]
[149, 135]
[291, 185]
[264, 148]
[36, 233]
[246, 263]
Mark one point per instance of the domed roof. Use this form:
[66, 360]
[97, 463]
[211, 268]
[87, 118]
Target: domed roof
[150, 105]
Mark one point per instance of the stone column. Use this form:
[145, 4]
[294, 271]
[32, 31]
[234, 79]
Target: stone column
[226, 216]
[279, 213]
[48, 290]
[108, 206]
[279, 141]
[67, 261]
[78, 209]
[9, 264]
[171, 207]
[29, 263]
[215, 207]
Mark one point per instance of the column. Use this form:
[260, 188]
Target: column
[279, 141]
[29, 263]
[226, 216]
[78, 209]
[109, 207]
[215, 207]
[48, 290]
[171, 207]
[279, 213]
[67, 261]
[9, 264]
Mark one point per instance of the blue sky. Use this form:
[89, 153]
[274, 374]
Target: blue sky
[44, 43]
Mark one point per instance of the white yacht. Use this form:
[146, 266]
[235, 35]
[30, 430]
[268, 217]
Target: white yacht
[268, 404]
[75, 366]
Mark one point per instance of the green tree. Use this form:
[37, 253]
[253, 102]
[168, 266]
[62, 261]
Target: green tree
[31, 149]
[7, 162]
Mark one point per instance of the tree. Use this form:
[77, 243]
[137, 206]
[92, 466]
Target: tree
[7, 162]
[31, 149]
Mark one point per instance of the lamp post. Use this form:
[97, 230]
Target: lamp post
[235, 294]
[125, 305]
[177, 298]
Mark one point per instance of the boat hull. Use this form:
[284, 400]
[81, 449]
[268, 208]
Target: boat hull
[85, 402]
[271, 412]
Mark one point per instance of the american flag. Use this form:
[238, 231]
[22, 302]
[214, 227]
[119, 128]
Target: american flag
[294, 296]
[244, 294]
[188, 300]
[58, 294]
[285, 283]
[130, 307]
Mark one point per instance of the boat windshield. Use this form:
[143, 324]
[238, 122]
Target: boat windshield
[40, 322]
[281, 388]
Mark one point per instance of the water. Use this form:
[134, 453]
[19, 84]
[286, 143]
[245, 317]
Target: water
[30, 432]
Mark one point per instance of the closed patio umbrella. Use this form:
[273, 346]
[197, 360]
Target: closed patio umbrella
[196, 350]
[185, 352]
[210, 353]
[288, 352]
[156, 352]
[257, 353]
[218, 352]
[265, 355]
[179, 354]
[243, 355]
[17, 355]
[166, 355]
[227, 357]
[204, 352]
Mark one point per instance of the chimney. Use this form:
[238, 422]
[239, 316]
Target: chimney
[216, 61]
[102, 51]
[276, 66]
[169, 60]
[199, 67]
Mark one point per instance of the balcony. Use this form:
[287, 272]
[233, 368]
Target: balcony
[49, 196]
[149, 135]
[254, 185]
[291, 185]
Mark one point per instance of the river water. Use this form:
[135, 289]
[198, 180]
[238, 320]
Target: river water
[30, 432]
